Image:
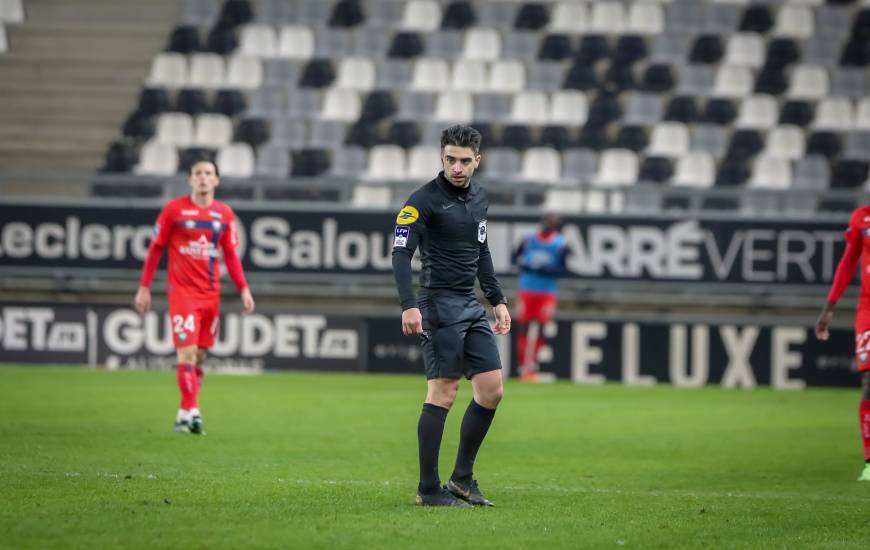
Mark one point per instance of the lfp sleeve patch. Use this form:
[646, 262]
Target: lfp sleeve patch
[401, 239]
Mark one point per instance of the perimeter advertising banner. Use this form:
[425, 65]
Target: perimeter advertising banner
[735, 354]
[339, 241]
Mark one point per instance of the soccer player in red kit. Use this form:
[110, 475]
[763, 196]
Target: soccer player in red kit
[193, 228]
[857, 248]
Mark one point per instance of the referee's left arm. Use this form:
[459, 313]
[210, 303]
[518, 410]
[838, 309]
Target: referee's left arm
[486, 275]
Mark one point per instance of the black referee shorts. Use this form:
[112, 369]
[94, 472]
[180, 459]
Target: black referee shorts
[457, 339]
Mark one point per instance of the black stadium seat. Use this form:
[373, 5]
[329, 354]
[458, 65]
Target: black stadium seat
[318, 73]
[707, 48]
[849, 174]
[253, 131]
[229, 102]
[458, 15]
[406, 45]
[756, 18]
[404, 133]
[797, 112]
[827, 144]
[720, 111]
[153, 101]
[346, 14]
[557, 137]
[184, 39]
[531, 17]
[656, 170]
[191, 101]
[310, 162]
[556, 47]
[634, 138]
[681, 108]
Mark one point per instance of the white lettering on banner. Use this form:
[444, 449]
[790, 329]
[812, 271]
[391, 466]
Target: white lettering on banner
[673, 252]
[802, 258]
[34, 329]
[94, 241]
[783, 359]
[249, 336]
[584, 354]
[631, 358]
[678, 369]
[752, 255]
[739, 347]
[275, 245]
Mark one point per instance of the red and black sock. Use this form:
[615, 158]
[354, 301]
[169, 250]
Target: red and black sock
[864, 420]
[199, 377]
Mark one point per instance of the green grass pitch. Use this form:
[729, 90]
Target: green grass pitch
[88, 459]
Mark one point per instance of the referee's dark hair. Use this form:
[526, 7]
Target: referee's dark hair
[217, 171]
[461, 136]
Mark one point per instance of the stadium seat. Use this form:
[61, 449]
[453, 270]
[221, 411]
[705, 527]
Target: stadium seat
[175, 129]
[229, 102]
[184, 39]
[794, 22]
[312, 12]
[862, 115]
[191, 101]
[500, 163]
[604, 109]
[168, 70]
[520, 46]
[580, 76]
[618, 167]
[326, 134]
[781, 52]
[569, 18]
[710, 138]
[563, 201]
[851, 83]
[491, 107]
[496, 15]
[531, 17]
[483, 44]
[643, 108]
[745, 50]
[445, 44]
[296, 42]
[744, 144]
[633, 138]
[11, 11]
[670, 47]
[695, 169]
[303, 103]
[430, 75]
[371, 196]
[309, 163]
[213, 130]
[266, 102]
[608, 18]
[808, 82]
[732, 172]
[348, 162]
[530, 108]
[424, 162]
[707, 48]
[734, 82]
[383, 14]
[332, 43]
[368, 44]
[544, 75]
[421, 15]
[393, 74]
[318, 73]
[253, 131]
[557, 137]
[771, 81]
[827, 144]
[696, 80]
[120, 158]
[684, 15]
[289, 133]
[541, 165]
[646, 18]
[756, 18]
[386, 162]
[797, 112]
[770, 173]
[858, 145]
[244, 72]
[812, 172]
[785, 142]
[655, 170]
[469, 75]
[593, 48]
[201, 13]
[517, 136]
[157, 159]
[346, 14]
[378, 105]
[356, 73]
[820, 50]
[153, 101]
[758, 111]
[455, 107]
[579, 164]
[507, 76]
[365, 134]
[834, 113]
[658, 78]
[681, 108]
[568, 107]
[720, 111]
[236, 160]
[138, 126]
[206, 71]
[721, 19]
[669, 139]
[258, 40]
[849, 174]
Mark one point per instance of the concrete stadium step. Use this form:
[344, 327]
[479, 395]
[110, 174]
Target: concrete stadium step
[76, 41]
[103, 11]
[51, 159]
[19, 68]
[91, 135]
[53, 101]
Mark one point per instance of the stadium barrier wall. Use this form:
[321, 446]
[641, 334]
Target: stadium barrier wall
[781, 256]
[683, 351]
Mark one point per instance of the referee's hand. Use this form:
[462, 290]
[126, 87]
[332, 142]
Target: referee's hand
[502, 319]
[412, 322]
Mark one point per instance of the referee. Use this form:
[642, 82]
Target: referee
[446, 219]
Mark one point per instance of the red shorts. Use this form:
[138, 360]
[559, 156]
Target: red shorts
[193, 322]
[535, 306]
[862, 340]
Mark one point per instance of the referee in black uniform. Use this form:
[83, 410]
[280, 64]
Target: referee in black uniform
[446, 219]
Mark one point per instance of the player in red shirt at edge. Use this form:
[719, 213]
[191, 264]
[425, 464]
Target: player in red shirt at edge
[193, 228]
[857, 248]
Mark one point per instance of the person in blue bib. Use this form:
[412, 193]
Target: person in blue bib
[541, 259]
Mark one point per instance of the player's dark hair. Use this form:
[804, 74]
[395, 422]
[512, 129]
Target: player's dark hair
[217, 171]
[461, 136]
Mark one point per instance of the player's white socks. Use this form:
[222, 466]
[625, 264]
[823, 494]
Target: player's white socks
[183, 415]
[194, 412]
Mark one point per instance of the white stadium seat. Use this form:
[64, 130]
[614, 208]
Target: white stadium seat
[236, 160]
[157, 159]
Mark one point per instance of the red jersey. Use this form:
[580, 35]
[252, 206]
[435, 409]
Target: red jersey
[857, 250]
[193, 235]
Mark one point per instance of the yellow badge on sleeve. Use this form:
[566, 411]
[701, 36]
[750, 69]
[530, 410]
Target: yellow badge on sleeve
[407, 215]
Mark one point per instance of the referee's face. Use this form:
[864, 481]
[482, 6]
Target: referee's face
[459, 164]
